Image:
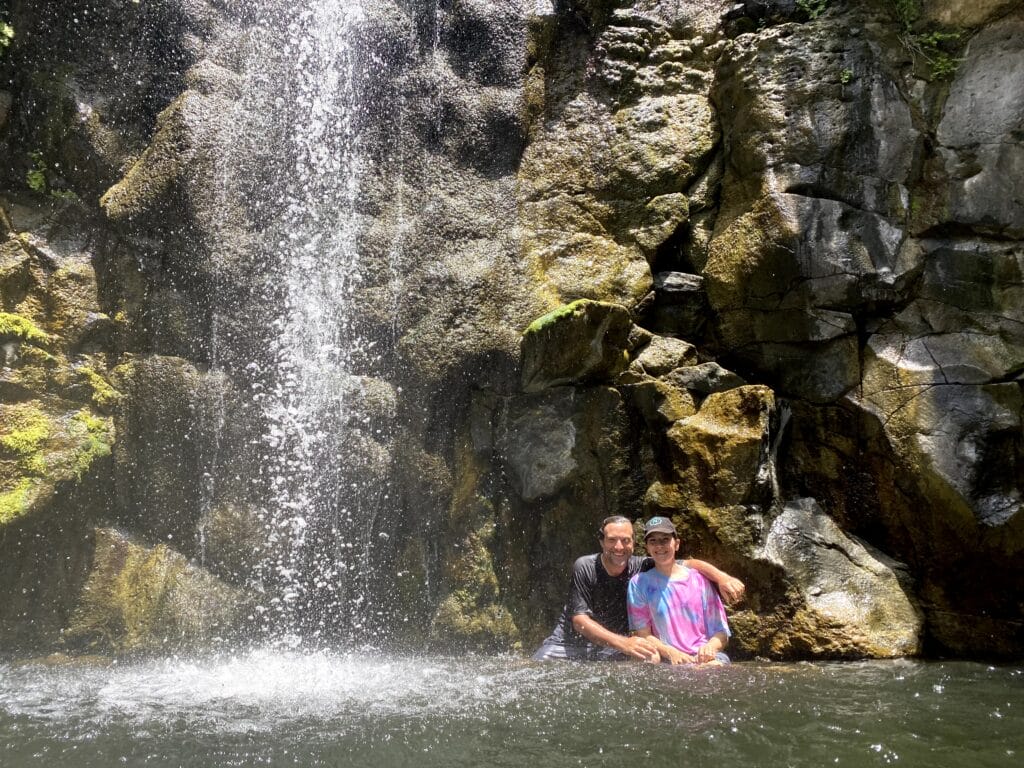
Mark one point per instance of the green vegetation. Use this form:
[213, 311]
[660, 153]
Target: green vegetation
[36, 176]
[97, 440]
[27, 428]
[846, 76]
[104, 396]
[937, 47]
[6, 36]
[36, 179]
[14, 503]
[557, 314]
[813, 8]
[21, 328]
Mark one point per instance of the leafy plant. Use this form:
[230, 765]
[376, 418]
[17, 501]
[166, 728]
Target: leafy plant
[6, 35]
[846, 76]
[907, 12]
[813, 8]
[36, 176]
[36, 179]
[936, 47]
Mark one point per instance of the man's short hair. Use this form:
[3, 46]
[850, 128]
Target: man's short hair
[609, 521]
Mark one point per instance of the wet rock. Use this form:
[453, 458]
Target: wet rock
[938, 377]
[950, 13]
[581, 342]
[680, 304]
[165, 427]
[719, 453]
[705, 379]
[549, 441]
[857, 599]
[142, 599]
[644, 143]
[660, 403]
[980, 145]
[664, 354]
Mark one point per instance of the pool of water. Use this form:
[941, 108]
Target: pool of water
[345, 709]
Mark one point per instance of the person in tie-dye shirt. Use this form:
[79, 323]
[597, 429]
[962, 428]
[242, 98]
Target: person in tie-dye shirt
[676, 605]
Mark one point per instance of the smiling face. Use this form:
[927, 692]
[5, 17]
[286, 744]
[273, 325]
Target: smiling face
[616, 546]
[662, 548]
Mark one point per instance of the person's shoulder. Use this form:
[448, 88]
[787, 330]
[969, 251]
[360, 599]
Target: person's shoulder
[694, 576]
[586, 562]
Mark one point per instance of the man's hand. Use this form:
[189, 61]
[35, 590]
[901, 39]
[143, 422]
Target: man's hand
[732, 589]
[639, 648]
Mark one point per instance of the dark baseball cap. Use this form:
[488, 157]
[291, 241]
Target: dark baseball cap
[659, 525]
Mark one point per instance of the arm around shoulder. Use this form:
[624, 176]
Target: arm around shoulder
[732, 589]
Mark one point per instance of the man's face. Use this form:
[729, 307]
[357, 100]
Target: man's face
[617, 543]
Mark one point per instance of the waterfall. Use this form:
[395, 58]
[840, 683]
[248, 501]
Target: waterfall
[319, 382]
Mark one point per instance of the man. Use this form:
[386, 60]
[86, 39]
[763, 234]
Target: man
[593, 624]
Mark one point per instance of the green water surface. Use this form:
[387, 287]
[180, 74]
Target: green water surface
[268, 708]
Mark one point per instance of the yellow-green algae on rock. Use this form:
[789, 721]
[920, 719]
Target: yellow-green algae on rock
[19, 327]
[140, 599]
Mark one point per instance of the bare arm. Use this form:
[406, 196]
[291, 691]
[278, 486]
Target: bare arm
[673, 654]
[732, 589]
[707, 651]
[635, 647]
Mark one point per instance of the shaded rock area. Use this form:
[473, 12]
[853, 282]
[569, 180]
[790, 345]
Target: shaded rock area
[750, 265]
[145, 599]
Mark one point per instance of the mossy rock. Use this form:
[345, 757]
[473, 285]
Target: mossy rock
[472, 616]
[42, 445]
[581, 342]
[150, 599]
[15, 327]
[718, 454]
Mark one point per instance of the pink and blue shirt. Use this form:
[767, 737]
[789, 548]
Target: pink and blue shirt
[683, 611]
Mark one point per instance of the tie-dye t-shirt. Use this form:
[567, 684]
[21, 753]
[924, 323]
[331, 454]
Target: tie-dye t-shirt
[684, 611]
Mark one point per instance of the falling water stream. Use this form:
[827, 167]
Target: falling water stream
[322, 464]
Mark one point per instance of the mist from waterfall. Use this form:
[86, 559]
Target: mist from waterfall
[325, 450]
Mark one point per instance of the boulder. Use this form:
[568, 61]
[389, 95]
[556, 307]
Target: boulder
[141, 599]
[720, 454]
[664, 354]
[857, 600]
[660, 402]
[705, 379]
[581, 342]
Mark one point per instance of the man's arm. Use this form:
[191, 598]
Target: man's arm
[666, 651]
[634, 647]
[732, 589]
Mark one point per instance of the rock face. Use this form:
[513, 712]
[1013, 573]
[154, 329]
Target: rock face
[749, 265]
[855, 603]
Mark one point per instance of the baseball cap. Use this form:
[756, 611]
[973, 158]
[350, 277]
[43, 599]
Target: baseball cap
[659, 525]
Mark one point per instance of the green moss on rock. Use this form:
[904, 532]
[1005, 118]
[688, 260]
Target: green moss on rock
[104, 396]
[15, 503]
[21, 328]
[26, 430]
[140, 599]
[96, 439]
